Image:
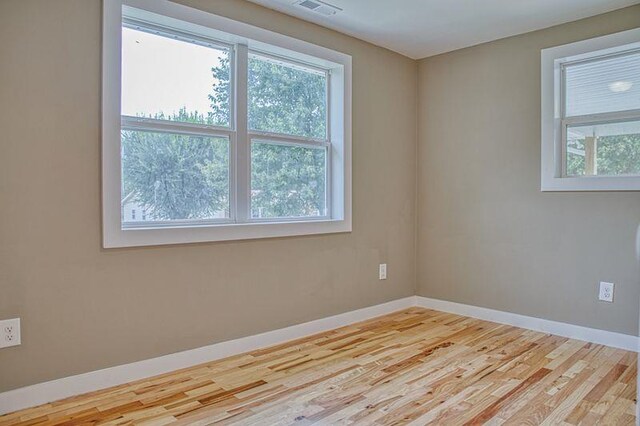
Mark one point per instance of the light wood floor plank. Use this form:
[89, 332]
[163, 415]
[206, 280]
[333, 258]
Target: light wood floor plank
[411, 367]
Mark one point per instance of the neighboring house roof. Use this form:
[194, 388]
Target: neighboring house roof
[127, 199]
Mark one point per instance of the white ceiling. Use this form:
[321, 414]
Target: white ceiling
[420, 28]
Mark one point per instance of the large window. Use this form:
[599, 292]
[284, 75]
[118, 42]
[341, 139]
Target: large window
[216, 130]
[591, 114]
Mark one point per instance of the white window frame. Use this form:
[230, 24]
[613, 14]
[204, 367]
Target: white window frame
[240, 38]
[554, 124]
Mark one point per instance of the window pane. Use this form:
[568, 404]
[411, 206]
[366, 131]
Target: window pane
[285, 98]
[611, 149]
[170, 79]
[287, 181]
[169, 177]
[605, 85]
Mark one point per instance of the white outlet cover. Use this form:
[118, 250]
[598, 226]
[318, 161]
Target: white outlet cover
[606, 292]
[383, 271]
[10, 333]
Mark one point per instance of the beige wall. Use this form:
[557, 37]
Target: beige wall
[487, 236]
[84, 308]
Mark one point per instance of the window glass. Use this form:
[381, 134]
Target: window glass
[287, 181]
[286, 98]
[174, 177]
[603, 85]
[170, 79]
[611, 149]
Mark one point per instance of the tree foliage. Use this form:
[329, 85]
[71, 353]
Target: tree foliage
[176, 176]
[287, 181]
[286, 100]
[615, 155]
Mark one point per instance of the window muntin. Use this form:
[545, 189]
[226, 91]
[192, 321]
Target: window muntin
[167, 77]
[174, 177]
[287, 98]
[288, 180]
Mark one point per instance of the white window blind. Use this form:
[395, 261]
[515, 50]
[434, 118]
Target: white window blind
[602, 85]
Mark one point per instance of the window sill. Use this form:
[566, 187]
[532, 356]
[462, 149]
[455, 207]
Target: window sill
[138, 237]
[591, 183]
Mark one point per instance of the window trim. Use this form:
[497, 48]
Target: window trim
[235, 36]
[554, 124]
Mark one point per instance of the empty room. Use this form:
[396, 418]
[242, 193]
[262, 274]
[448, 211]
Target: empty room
[310, 212]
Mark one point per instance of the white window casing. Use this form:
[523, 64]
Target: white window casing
[241, 39]
[555, 121]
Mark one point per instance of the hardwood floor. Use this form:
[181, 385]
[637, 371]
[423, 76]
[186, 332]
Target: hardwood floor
[414, 367]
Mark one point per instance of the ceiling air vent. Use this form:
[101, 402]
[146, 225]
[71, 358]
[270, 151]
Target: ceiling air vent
[318, 7]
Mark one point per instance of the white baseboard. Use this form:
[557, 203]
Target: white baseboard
[54, 390]
[594, 335]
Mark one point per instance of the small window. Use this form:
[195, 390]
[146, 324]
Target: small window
[601, 120]
[591, 114]
[215, 130]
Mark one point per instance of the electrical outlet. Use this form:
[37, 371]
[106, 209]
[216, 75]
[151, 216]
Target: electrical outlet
[606, 292]
[382, 271]
[9, 333]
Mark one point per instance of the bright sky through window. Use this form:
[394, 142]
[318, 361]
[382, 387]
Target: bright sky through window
[162, 75]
